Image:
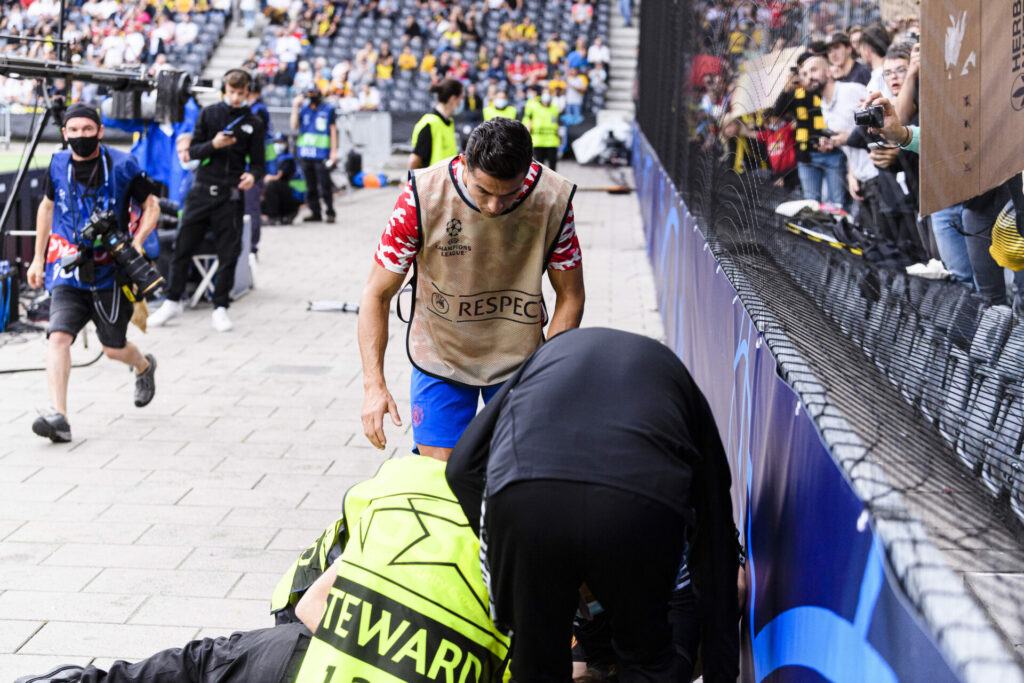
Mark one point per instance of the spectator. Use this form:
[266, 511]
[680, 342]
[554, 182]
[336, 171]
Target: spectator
[186, 31]
[873, 47]
[599, 54]
[582, 13]
[279, 202]
[577, 59]
[369, 97]
[517, 72]
[385, 63]
[527, 31]
[458, 68]
[406, 59]
[303, 80]
[841, 56]
[576, 91]
[557, 48]
[412, 28]
[269, 64]
[536, 71]
[815, 164]
[856, 33]
[429, 63]
[495, 71]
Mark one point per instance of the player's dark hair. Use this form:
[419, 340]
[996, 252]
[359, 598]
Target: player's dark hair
[501, 148]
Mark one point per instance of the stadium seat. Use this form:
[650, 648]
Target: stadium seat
[1002, 452]
[963, 370]
[955, 331]
[1017, 486]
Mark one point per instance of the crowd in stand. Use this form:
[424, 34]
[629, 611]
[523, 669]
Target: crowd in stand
[804, 138]
[108, 34]
[385, 54]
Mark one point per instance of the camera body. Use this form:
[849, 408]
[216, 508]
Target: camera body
[101, 231]
[870, 117]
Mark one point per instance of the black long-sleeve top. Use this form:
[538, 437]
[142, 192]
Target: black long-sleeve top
[616, 409]
[225, 166]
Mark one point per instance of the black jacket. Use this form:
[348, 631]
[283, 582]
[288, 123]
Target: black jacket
[618, 409]
[225, 166]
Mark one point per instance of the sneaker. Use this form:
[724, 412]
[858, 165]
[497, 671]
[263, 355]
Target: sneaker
[221, 321]
[330, 218]
[62, 674]
[314, 218]
[168, 310]
[53, 426]
[145, 383]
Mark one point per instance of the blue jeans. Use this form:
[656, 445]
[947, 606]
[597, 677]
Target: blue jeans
[573, 114]
[948, 226]
[441, 411]
[989, 279]
[626, 8]
[829, 167]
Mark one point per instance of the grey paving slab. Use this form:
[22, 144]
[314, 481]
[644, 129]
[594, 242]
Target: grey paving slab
[179, 518]
[14, 634]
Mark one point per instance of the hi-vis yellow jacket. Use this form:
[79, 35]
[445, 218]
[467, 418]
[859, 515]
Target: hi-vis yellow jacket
[410, 604]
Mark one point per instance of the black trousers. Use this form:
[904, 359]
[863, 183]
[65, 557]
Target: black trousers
[204, 213]
[547, 156]
[252, 210]
[545, 538]
[269, 655]
[278, 200]
[318, 185]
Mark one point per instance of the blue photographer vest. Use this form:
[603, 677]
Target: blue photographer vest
[72, 206]
[314, 141]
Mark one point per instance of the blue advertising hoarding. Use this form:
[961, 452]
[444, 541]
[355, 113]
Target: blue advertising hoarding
[821, 604]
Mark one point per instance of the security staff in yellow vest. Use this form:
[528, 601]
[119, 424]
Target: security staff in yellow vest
[390, 592]
[481, 230]
[499, 107]
[541, 117]
[433, 138]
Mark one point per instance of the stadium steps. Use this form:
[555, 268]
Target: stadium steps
[231, 53]
[622, 42]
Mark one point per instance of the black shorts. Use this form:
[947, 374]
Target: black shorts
[72, 308]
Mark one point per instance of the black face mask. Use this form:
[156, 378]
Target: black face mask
[84, 146]
[314, 101]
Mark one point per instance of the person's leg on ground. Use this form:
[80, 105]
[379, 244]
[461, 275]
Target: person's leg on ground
[948, 230]
[309, 170]
[252, 209]
[989, 280]
[69, 313]
[228, 241]
[261, 655]
[811, 177]
[195, 221]
[112, 312]
[58, 369]
[834, 164]
[327, 191]
[531, 536]
[633, 547]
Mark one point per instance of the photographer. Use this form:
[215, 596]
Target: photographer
[228, 143]
[83, 181]
[317, 147]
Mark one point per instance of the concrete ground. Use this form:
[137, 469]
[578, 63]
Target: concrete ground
[158, 525]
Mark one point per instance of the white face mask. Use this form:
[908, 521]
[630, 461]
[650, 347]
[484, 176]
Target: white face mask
[545, 99]
[500, 103]
[191, 165]
[280, 148]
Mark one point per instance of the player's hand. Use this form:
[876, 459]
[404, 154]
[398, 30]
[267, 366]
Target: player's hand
[377, 401]
[35, 274]
[246, 181]
[139, 246]
[297, 101]
[222, 140]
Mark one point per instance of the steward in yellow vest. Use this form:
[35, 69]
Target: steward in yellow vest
[433, 138]
[408, 602]
[392, 592]
[541, 117]
[500, 107]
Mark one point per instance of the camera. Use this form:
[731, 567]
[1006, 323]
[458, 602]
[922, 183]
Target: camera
[102, 231]
[871, 117]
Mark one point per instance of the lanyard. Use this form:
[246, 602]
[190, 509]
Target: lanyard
[78, 201]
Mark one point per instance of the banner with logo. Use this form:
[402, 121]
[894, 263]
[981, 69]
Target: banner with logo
[821, 605]
[972, 90]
